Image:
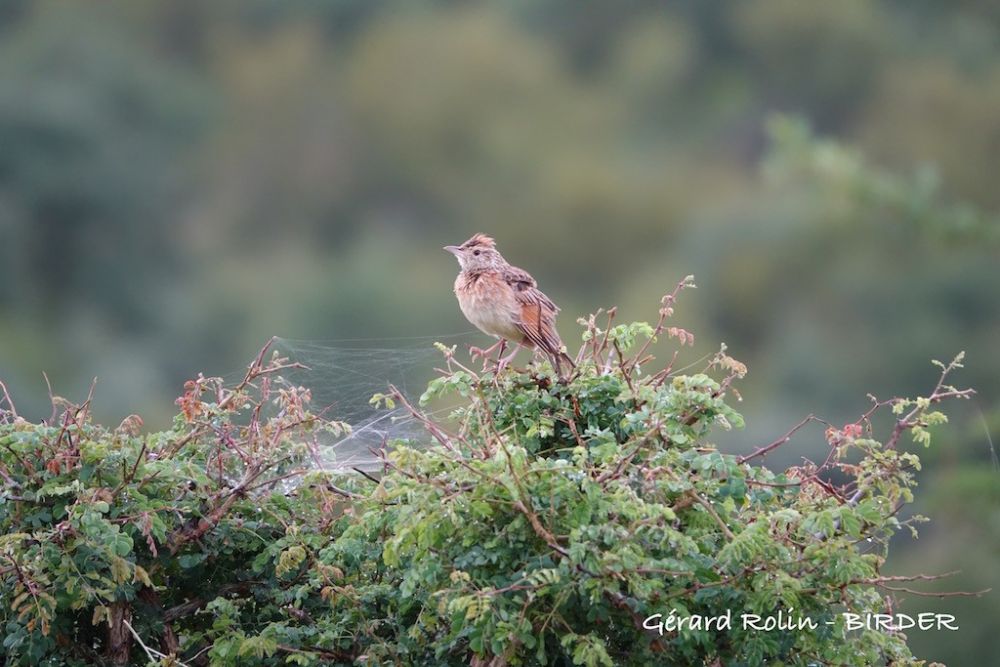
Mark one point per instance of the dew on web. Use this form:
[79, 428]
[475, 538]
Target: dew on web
[343, 375]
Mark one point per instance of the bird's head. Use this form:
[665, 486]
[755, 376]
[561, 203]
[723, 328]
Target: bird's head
[477, 254]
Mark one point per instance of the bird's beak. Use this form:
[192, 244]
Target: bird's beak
[453, 249]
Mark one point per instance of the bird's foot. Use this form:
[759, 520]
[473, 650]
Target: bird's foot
[478, 352]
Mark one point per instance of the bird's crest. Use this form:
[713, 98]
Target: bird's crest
[481, 241]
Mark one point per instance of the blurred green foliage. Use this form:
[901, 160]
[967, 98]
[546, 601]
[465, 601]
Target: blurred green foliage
[180, 180]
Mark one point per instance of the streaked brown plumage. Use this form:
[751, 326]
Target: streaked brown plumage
[504, 301]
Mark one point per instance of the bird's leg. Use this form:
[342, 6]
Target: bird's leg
[497, 365]
[502, 362]
[503, 346]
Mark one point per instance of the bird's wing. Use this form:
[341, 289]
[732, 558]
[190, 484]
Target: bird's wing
[522, 283]
[517, 278]
[537, 311]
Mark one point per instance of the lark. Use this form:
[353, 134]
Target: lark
[504, 301]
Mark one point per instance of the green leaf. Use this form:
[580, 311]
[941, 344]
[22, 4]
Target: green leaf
[188, 561]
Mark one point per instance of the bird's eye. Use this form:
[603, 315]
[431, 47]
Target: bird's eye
[476, 253]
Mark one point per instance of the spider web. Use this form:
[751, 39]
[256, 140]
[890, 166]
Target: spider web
[344, 374]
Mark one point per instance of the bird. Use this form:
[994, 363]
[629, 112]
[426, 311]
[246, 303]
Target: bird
[504, 301]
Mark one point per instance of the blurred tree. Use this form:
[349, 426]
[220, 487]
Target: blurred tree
[812, 58]
[92, 135]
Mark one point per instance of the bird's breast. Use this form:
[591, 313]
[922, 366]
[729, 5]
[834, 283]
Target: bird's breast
[489, 303]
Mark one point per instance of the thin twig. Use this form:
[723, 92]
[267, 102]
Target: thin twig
[343, 492]
[10, 402]
[711, 510]
[926, 594]
[366, 475]
[763, 451]
[151, 653]
[431, 427]
[52, 399]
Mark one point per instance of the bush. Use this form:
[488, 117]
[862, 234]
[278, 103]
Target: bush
[546, 521]
[111, 536]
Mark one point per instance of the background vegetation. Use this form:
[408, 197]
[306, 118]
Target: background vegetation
[180, 180]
